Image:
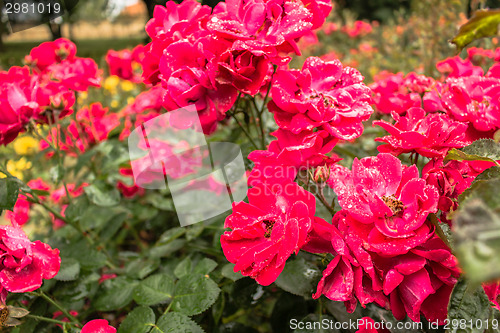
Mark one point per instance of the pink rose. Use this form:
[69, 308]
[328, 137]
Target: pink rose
[24, 264]
[98, 326]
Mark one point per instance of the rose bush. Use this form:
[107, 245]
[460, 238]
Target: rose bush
[380, 193]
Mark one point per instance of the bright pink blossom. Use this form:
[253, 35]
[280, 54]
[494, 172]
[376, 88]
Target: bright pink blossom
[17, 102]
[124, 63]
[474, 99]
[387, 202]
[268, 229]
[492, 290]
[98, 326]
[398, 93]
[429, 135]
[322, 95]
[78, 74]
[257, 24]
[457, 67]
[421, 281]
[244, 69]
[49, 53]
[24, 264]
[20, 214]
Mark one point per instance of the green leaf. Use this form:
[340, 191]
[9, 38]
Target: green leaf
[228, 272]
[9, 192]
[484, 23]
[117, 294]
[140, 268]
[479, 150]
[70, 269]
[469, 304]
[489, 174]
[205, 266]
[194, 294]
[156, 289]
[140, 320]
[173, 322]
[161, 202]
[87, 256]
[183, 268]
[299, 278]
[102, 194]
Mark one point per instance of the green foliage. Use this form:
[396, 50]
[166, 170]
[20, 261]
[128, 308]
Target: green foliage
[140, 320]
[9, 191]
[483, 24]
[472, 305]
[480, 150]
[175, 322]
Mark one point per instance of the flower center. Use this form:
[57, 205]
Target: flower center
[394, 204]
[269, 227]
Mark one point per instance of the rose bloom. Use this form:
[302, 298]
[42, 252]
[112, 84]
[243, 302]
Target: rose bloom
[322, 95]
[244, 69]
[474, 99]
[387, 202]
[456, 67]
[49, 53]
[98, 326]
[391, 94]
[268, 229]
[429, 135]
[20, 214]
[24, 264]
[421, 281]
[16, 102]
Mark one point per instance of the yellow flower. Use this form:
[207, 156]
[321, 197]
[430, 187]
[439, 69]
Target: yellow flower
[25, 145]
[130, 100]
[114, 104]
[16, 168]
[111, 83]
[127, 86]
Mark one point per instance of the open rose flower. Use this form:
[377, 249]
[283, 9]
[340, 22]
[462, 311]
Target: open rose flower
[268, 229]
[49, 53]
[421, 281]
[350, 277]
[98, 326]
[256, 24]
[24, 264]
[457, 67]
[474, 99]
[16, 102]
[387, 202]
[322, 95]
[429, 135]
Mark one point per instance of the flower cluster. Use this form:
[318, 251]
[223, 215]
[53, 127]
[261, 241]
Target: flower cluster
[45, 93]
[205, 59]
[126, 64]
